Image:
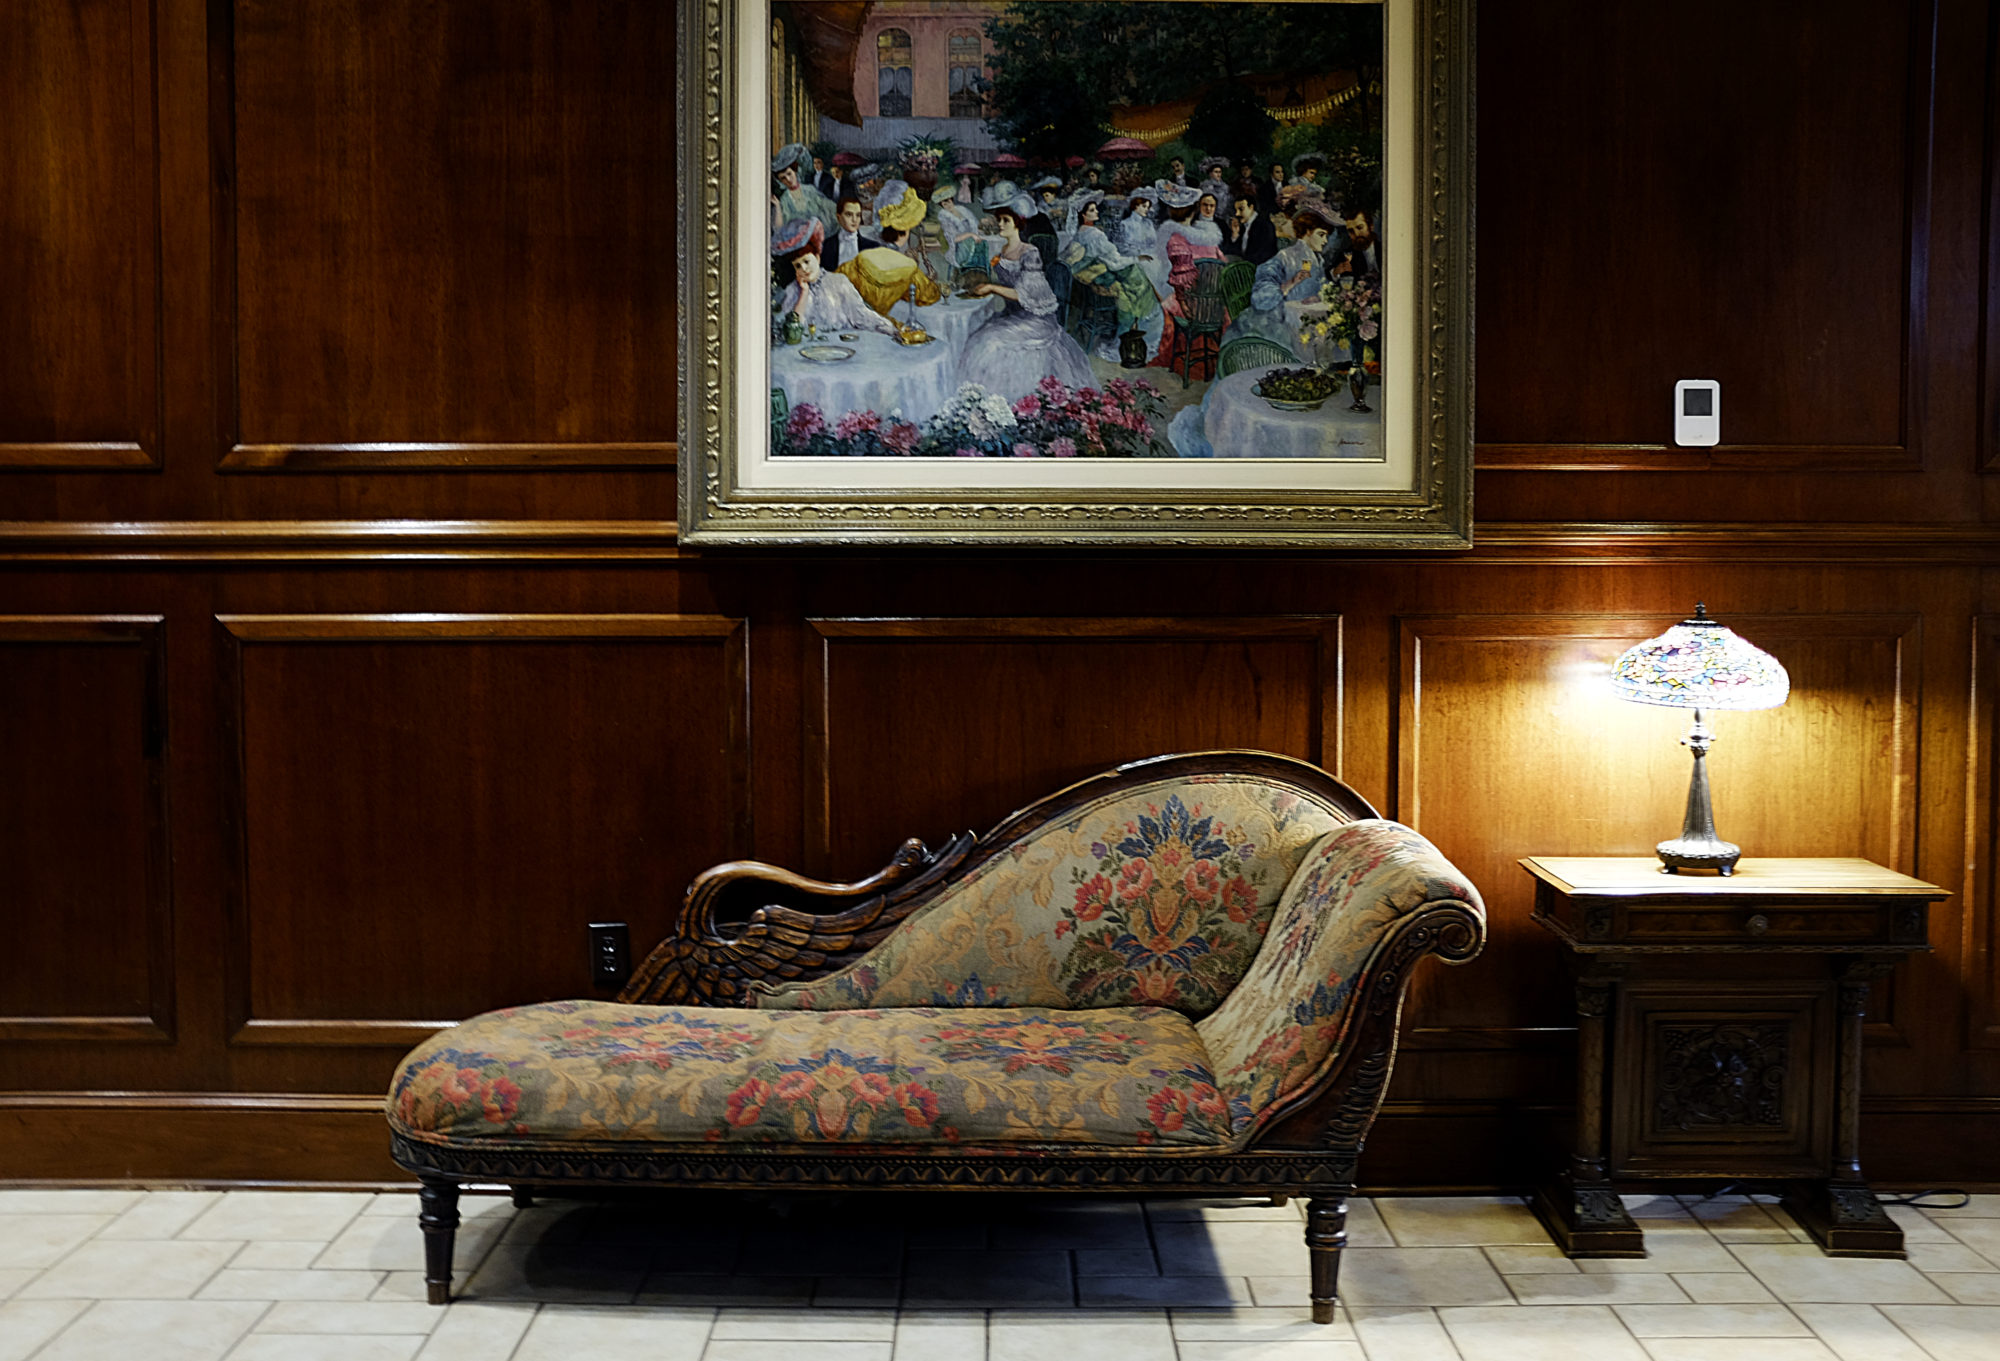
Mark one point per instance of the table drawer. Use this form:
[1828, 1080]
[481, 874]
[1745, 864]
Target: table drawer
[1754, 924]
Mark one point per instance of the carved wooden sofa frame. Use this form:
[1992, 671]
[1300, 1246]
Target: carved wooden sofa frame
[747, 922]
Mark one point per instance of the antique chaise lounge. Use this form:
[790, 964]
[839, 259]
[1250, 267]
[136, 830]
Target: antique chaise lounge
[1183, 975]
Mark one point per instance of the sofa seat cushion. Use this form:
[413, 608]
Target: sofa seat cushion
[1020, 1077]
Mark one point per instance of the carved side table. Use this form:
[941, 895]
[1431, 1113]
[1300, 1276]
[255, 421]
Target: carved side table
[1719, 1035]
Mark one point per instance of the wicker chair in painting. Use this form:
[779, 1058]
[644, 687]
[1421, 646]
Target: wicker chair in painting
[1181, 976]
[1238, 278]
[1252, 352]
[1198, 329]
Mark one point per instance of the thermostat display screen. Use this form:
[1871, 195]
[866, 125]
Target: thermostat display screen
[1697, 413]
[1698, 402]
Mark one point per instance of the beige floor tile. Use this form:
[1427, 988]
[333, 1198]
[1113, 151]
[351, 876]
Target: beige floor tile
[1426, 1276]
[1858, 1332]
[1970, 1287]
[558, 1275]
[1290, 1349]
[477, 1332]
[270, 1215]
[1162, 1292]
[131, 1271]
[1648, 1207]
[44, 1238]
[1116, 1262]
[1917, 1226]
[941, 1335]
[1934, 1257]
[1950, 1332]
[1281, 1292]
[568, 1332]
[1801, 1272]
[1249, 1323]
[1694, 1250]
[1579, 1333]
[358, 1317]
[284, 1255]
[1722, 1287]
[14, 1277]
[1260, 1248]
[64, 1202]
[1739, 1219]
[279, 1347]
[1981, 1235]
[381, 1243]
[232, 1283]
[817, 1251]
[1977, 1207]
[1737, 1349]
[1711, 1320]
[27, 1324]
[1582, 1289]
[1461, 1221]
[987, 1278]
[155, 1330]
[1530, 1259]
[161, 1214]
[804, 1325]
[1396, 1333]
[798, 1351]
[1079, 1334]
[1365, 1228]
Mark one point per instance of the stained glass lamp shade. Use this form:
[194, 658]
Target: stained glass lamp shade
[1698, 664]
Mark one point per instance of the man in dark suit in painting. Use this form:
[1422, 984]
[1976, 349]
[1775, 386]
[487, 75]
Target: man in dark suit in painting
[1249, 235]
[846, 241]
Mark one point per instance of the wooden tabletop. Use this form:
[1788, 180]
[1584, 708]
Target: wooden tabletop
[1610, 876]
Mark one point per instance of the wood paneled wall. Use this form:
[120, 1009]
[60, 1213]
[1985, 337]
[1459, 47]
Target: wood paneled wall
[348, 664]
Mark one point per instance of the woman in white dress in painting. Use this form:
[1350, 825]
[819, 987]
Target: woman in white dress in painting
[1016, 349]
[819, 297]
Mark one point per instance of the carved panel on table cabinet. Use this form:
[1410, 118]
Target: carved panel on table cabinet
[1713, 1076]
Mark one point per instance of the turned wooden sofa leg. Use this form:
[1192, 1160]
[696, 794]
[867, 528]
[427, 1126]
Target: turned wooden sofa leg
[438, 1215]
[1326, 1235]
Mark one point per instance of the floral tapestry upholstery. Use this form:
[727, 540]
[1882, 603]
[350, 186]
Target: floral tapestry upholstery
[1019, 1079]
[1282, 1025]
[1155, 896]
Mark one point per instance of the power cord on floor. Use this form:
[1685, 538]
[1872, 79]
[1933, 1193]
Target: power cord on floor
[1951, 1197]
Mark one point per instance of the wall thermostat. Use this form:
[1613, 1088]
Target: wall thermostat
[1697, 411]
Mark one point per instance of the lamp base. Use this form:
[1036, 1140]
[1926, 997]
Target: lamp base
[1698, 853]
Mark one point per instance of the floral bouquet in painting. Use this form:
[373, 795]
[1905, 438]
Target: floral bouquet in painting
[1350, 314]
[1053, 421]
[920, 157]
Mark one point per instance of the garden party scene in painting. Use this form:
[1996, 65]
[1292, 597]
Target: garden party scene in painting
[1076, 229]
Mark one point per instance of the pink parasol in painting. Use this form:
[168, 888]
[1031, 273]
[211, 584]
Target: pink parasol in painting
[847, 160]
[1124, 149]
[1073, 163]
[1007, 160]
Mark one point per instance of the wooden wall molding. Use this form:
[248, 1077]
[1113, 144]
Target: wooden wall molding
[1980, 913]
[153, 933]
[458, 458]
[728, 791]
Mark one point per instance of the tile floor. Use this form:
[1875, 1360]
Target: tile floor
[332, 1276]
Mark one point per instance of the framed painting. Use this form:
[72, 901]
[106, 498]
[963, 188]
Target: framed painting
[1149, 272]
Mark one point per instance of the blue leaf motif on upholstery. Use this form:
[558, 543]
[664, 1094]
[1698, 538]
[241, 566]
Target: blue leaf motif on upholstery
[1175, 823]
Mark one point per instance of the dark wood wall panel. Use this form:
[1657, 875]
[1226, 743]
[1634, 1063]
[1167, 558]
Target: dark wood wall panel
[453, 234]
[391, 765]
[83, 834]
[1747, 201]
[79, 250]
[925, 727]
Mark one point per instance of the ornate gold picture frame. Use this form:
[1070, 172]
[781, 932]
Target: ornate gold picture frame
[907, 325]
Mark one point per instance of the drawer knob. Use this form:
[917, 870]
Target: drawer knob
[1758, 924]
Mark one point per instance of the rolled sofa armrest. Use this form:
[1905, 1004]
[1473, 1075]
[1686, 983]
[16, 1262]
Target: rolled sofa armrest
[1369, 900]
[817, 927]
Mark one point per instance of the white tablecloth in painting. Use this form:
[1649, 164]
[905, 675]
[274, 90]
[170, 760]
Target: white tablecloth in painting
[881, 376]
[953, 318]
[1239, 424]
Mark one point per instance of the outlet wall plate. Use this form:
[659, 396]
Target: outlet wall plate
[610, 955]
[1697, 412]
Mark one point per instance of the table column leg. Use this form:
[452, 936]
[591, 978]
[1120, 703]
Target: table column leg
[1841, 1213]
[1579, 1207]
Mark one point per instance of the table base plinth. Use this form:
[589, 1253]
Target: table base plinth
[1586, 1221]
[1845, 1219]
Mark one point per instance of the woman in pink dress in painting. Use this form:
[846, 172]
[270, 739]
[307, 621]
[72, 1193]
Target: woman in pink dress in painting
[1189, 235]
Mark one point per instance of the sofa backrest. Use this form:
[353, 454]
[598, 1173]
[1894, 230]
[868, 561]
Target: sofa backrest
[1155, 894]
[1282, 1026]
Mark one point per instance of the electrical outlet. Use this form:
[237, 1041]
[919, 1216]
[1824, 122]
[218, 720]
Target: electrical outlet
[610, 955]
